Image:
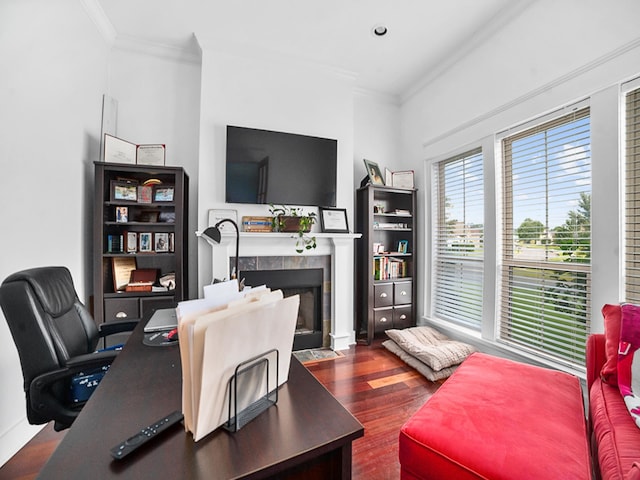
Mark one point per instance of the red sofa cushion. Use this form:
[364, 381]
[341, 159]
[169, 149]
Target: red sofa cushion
[612, 319]
[616, 435]
[498, 419]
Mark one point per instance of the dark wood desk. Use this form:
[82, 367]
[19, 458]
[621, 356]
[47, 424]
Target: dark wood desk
[308, 434]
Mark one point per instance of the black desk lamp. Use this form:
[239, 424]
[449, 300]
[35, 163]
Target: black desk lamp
[214, 234]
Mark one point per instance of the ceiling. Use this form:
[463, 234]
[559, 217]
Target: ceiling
[424, 36]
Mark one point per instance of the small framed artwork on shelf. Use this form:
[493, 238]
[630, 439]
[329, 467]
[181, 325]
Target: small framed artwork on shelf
[163, 194]
[122, 214]
[131, 242]
[334, 220]
[146, 242]
[123, 191]
[403, 246]
[145, 194]
[162, 242]
[373, 170]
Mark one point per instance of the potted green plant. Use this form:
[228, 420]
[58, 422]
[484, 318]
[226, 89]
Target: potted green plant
[292, 219]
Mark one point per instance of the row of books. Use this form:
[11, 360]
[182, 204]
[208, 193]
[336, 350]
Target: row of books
[387, 268]
[257, 224]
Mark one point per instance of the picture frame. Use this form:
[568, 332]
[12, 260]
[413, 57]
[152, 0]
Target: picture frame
[151, 154]
[124, 191]
[403, 179]
[163, 193]
[131, 242]
[374, 172]
[334, 220]
[403, 246]
[145, 194]
[145, 243]
[122, 214]
[122, 268]
[161, 242]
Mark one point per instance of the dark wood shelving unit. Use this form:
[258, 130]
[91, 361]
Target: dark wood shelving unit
[385, 286]
[109, 304]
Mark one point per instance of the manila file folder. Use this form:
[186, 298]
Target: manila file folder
[217, 342]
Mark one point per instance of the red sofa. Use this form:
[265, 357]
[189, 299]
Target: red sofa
[499, 419]
[615, 438]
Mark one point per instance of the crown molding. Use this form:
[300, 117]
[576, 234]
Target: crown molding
[598, 62]
[188, 53]
[100, 20]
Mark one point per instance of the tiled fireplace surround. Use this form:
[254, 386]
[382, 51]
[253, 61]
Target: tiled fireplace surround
[282, 262]
[334, 254]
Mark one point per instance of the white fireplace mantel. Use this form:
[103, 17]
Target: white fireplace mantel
[340, 246]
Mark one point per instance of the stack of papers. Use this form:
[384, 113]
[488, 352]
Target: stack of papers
[222, 330]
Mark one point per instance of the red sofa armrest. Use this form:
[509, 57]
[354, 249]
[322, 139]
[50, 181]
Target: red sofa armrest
[595, 357]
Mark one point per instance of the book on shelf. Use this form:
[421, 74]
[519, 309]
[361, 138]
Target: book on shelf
[115, 244]
[389, 268]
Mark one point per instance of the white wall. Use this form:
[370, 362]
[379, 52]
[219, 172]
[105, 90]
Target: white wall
[552, 55]
[159, 102]
[53, 77]
[56, 67]
[273, 94]
[376, 133]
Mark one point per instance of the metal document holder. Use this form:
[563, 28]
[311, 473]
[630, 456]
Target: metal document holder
[237, 420]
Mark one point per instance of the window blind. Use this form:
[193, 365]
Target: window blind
[632, 196]
[546, 242]
[459, 240]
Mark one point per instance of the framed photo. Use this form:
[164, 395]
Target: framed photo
[373, 170]
[402, 179]
[123, 191]
[334, 220]
[163, 194]
[146, 242]
[122, 214]
[131, 242]
[150, 154]
[403, 246]
[161, 242]
[122, 268]
[145, 194]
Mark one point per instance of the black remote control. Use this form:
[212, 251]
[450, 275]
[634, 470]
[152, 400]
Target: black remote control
[143, 436]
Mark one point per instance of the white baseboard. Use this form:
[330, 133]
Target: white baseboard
[16, 437]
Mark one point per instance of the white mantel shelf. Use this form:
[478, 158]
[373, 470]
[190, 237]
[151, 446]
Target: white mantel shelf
[339, 245]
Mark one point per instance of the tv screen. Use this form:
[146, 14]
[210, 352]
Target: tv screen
[280, 168]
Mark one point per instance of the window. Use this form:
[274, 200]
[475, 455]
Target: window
[546, 242]
[632, 197]
[459, 240]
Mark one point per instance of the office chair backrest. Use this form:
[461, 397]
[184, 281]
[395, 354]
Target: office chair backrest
[48, 322]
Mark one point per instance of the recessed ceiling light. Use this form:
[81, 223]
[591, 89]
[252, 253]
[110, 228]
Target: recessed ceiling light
[379, 30]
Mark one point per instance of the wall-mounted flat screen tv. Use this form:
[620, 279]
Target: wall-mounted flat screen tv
[280, 168]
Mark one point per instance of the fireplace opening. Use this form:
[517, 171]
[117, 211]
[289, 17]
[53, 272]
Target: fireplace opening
[307, 283]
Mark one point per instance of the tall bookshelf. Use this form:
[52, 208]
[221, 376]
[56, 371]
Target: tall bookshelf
[140, 221]
[385, 260]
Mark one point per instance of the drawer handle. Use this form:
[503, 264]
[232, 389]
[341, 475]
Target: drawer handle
[403, 293]
[383, 295]
[403, 317]
[121, 315]
[383, 320]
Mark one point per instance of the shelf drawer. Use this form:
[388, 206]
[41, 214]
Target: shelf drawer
[383, 295]
[402, 293]
[403, 317]
[382, 319]
[121, 309]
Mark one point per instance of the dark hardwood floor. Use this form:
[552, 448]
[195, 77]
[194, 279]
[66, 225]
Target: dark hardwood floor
[380, 390]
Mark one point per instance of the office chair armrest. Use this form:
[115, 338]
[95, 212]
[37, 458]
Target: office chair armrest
[89, 361]
[109, 328]
[46, 403]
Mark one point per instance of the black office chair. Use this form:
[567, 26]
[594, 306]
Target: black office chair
[56, 338]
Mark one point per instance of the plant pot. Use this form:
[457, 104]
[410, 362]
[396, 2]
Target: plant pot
[291, 224]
